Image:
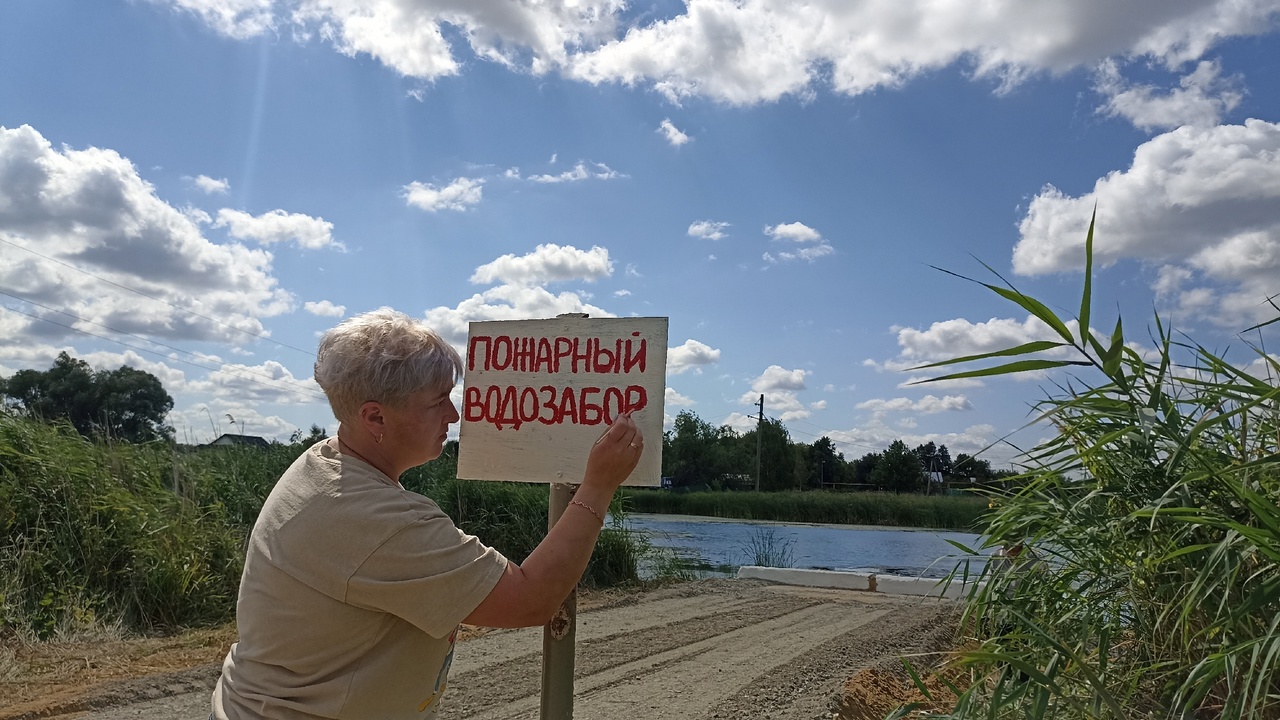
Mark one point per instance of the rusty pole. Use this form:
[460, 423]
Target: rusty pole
[558, 636]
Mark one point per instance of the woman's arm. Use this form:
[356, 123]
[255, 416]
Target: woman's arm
[529, 594]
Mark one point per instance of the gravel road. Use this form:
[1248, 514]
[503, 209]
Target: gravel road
[709, 649]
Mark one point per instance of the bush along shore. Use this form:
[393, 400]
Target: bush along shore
[148, 538]
[943, 512]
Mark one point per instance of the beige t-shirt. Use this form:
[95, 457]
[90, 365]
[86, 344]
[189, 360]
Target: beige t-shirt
[352, 593]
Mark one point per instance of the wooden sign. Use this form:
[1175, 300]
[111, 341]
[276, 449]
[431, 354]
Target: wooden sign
[537, 393]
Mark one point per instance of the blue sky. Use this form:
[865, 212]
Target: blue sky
[224, 179]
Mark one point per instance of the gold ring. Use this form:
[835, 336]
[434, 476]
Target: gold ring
[634, 446]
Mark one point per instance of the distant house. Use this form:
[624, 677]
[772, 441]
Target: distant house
[227, 439]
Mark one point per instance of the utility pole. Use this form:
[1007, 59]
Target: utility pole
[759, 435]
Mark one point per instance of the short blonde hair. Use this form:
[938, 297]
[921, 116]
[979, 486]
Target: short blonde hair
[384, 356]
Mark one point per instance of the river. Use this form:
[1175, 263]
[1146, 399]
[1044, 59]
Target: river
[717, 547]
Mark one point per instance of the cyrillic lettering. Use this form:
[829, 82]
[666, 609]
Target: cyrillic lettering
[471, 351]
[632, 360]
[637, 398]
[542, 361]
[550, 405]
[591, 413]
[500, 358]
[472, 408]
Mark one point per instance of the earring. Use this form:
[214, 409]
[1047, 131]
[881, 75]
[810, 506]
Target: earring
[379, 438]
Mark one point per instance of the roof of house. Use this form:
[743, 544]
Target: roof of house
[249, 440]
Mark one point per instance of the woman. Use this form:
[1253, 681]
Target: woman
[353, 587]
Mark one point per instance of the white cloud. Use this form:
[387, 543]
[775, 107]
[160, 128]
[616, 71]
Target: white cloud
[277, 226]
[547, 263]
[580, 172]
[746, 52]
[818, 405]
[811, 253]
[632, 271]
[457, 195]
[708, 229]
[506, 302]
[795, 232]
[91, 210]
[672, 133]
[689, 356]
[324, 308]
[775, 377]
[234, 18]
[958, 337]
[210, 186]
[675, 399]
[1205, 200]
[876, 436]
[779, 387]
[929, 404]
[749, 51]
[268, 383]
[1201, 100]
[621, 293]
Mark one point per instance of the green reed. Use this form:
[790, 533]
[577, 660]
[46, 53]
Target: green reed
[1149, 586]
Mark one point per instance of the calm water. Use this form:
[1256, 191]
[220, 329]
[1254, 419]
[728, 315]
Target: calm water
[720, 546]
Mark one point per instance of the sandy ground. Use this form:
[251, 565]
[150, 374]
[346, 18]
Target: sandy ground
[707, 649]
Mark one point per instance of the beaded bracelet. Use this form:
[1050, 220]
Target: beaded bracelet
[589, 509]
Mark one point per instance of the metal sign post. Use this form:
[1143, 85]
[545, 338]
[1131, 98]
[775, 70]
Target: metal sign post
[559, 635]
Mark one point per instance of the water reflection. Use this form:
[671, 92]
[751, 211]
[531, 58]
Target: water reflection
[718, 547]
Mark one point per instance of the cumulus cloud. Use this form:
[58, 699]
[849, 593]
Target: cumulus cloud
[775, 377]
[779, 387]
[580, 172]
[929, 404]
[268, 383]
[672, 133]
[958, 337]
[210, 186]
[234, 18]
[277, 226]
[1204, 201]
[91, 210]
[795, 232]
[675, 399]
[506, 302]
[324, 308]
[876, 436]
[799, 233]
[692, 355]
[1202, 98]
[708, 229]
[457, 195]
[747, 52]
[750, 51]
[547, 263]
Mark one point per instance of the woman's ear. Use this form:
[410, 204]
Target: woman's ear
[373, 419]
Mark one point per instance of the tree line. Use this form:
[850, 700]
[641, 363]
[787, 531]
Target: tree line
[696, 454]
[130, 405]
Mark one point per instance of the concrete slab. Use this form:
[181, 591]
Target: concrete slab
[869, 582]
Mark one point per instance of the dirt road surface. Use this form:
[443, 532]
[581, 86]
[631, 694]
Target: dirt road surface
[708, 649]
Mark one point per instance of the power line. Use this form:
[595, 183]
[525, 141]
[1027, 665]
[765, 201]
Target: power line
[295, 388]
[159, 300]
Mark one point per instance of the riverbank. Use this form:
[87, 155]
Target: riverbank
[961, 513]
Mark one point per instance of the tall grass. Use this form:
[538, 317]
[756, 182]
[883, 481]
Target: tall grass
[1150, 587]
[150, 539]
[869, 508]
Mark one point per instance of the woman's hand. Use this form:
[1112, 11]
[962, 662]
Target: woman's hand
[615, 454]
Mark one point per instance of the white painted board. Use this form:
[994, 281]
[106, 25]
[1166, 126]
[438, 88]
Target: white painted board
[538, 393]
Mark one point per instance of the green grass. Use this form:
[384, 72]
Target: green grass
[860, 508]
[146, 538]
